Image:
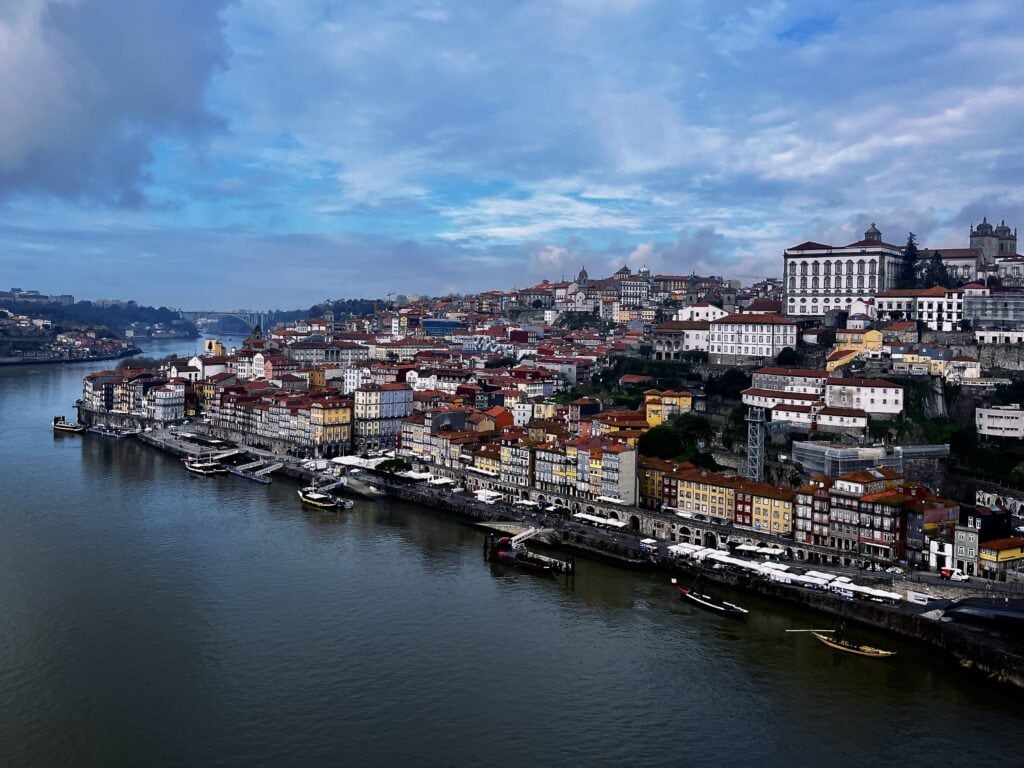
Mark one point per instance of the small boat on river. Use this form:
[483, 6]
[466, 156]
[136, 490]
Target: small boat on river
[314, 497]
[511, 550]
[709, 601]
[60, 424]
[842, 644]
[204, 466]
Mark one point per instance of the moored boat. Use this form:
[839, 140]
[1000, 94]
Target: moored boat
[842, 644]
[201, 466]
[710, 601]
[501, 551]
[314, 498]
[511, 551]
[61, 424]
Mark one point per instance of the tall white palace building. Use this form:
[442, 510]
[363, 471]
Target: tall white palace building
[820, 277]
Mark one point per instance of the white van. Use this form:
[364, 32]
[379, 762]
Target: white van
[954, 574]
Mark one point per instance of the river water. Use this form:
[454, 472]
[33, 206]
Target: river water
[152, 617]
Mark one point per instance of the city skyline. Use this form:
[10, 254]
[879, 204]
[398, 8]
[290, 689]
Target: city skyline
[268, 154]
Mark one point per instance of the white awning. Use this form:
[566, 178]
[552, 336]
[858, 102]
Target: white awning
[600, 520]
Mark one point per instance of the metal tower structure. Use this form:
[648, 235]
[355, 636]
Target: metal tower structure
[755, 444]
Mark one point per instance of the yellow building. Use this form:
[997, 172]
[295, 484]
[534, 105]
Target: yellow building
[659, 407]
[764, 507]
[858, 340]
[320, 376]
[839, 358]
[487, 459]
[995, 556]
[331, 420]
[710, 494]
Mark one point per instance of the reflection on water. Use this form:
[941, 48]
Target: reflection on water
[152, 617]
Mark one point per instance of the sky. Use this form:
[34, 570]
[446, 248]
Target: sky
[207, 154]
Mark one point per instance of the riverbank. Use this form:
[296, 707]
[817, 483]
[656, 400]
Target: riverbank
[996, 657]
[8, 361]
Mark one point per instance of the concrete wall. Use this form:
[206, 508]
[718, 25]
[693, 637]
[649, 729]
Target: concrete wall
[1006, 357]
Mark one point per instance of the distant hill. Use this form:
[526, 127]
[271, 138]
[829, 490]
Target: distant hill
[116, 318]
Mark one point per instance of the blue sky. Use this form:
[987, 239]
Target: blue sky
[274, 153]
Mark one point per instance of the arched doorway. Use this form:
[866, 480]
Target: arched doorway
[710, 540]
[634, 523]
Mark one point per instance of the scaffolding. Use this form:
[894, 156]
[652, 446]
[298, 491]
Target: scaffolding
[823, 459]
[755, 444]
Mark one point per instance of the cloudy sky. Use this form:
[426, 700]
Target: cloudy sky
[274, 153]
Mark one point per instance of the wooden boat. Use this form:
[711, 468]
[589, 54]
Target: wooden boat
[710, 602]
[510, 550]
[842, 644]
[202, 466]
[60, 424]
[314, 498]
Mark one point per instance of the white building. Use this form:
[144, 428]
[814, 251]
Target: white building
[791, 380]
[876, 397]
[166, 403]
[676, 337]
[841, 419]
[1000, 421]
[770, 398]
[941, 309]
[737, 339]
[702, 310]
[819, 277]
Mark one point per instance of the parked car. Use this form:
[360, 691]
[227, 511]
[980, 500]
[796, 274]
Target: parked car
[954, 574]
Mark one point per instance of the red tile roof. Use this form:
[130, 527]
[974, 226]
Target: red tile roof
[1000, 544]
[856, 413]
[877, 383]
[803, 373]
[758, 392]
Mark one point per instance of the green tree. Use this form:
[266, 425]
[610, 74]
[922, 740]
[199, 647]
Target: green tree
[787, 357]
[692, 428]
[729, 384]
[661, 443]
[936, 273]
[907, 277]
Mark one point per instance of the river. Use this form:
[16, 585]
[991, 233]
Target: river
[152, 617]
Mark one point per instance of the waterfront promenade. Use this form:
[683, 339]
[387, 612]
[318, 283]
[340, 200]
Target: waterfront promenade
[996, 656]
